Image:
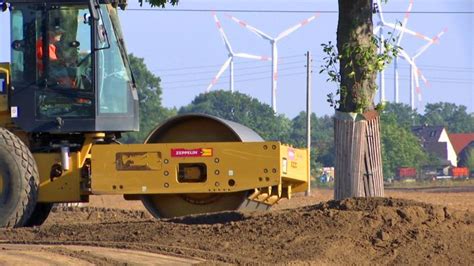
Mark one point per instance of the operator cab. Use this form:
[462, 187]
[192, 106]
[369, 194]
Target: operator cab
[69, 67]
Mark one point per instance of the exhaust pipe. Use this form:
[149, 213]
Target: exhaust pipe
[65, 158]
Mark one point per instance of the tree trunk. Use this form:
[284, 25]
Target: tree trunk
[355, 31]
[356, 128]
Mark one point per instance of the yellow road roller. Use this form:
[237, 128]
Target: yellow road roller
[68, 94]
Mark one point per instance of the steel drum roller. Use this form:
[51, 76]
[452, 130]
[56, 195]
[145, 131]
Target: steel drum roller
[197, 128]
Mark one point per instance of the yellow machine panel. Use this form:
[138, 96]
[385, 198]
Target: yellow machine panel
[192, 167]
[294, 167]
[4, 85]
[65, 188]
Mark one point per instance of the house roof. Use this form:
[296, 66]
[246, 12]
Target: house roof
[461, 140]
[428, 133]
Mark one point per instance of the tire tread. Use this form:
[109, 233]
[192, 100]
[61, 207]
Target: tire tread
[29, 194]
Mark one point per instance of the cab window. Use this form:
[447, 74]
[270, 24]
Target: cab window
[51, 50]
[113, 74]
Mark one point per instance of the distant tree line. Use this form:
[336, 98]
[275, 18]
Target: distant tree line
[400, 147]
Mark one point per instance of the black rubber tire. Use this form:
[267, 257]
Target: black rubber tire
[40, 214]
[20, 177]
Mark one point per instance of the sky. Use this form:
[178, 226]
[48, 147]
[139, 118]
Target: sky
[185, 50]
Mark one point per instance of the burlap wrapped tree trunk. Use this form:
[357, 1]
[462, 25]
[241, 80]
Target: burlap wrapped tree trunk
[358, 171]
[358, 155]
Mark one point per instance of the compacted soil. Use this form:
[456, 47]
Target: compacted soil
[303, 230]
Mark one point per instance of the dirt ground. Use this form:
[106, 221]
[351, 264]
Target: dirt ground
[413, 227]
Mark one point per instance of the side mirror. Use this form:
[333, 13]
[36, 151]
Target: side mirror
[18, 45]
[74, 44]
[93, 6]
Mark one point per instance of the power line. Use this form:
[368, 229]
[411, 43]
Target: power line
[237, 81]
[432, 80]
[422, 67]
[236, 68]
[287, 11]
[439, 80]
[209, 66]
[445, 69]
[221, 80]
[226, 76]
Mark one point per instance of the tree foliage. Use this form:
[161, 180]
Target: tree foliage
[152, 113]
[400, 148]
[322, 137]
[400, 113]
[242, 109]
[469, 163]
[160, 3]
[454, 117]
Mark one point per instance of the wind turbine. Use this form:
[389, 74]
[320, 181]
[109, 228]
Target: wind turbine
[230, 60]
[273, 42]
[379, 29]
[415, 72]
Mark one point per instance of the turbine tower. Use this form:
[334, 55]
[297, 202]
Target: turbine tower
[273, 43]
[230, 60]
[378, 30]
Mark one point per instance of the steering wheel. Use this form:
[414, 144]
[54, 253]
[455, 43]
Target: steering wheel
[84, 59]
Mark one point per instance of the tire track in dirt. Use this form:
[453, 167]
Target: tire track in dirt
[88, 253]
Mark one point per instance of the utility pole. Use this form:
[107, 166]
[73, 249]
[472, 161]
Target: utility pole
[309, 61]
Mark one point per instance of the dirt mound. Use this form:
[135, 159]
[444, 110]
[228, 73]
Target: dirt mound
[360, 231]
[74, 215]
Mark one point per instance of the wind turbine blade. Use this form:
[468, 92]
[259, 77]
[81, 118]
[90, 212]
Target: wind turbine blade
[216, 78]
[251, 56]
[377, 29]
[405, 21]
[405, 56]
[402, 29]
[251, 28]
[417, 72]
[426, 46]
[379, 11]
[425, 80]
[296, 27]
[223, 35]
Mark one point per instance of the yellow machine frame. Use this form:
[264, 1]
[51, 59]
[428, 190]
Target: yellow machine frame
[138, 169]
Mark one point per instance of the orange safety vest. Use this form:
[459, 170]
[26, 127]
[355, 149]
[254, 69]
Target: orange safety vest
[39, 54]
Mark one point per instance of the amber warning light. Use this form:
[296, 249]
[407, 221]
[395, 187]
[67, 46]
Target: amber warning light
[201, 152]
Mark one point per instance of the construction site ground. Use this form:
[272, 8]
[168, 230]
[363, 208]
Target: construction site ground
[410, 226]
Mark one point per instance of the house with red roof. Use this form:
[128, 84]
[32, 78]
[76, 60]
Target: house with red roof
[462, 144]
[435, 140]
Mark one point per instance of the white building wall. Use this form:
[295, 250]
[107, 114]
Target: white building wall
[452, 157]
